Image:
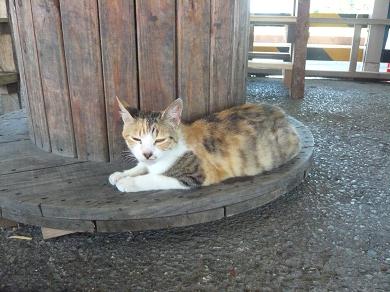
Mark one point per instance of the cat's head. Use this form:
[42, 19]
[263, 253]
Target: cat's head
[151, 135]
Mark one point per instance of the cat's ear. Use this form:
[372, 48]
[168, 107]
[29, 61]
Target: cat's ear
[126, 116]
[173, 112]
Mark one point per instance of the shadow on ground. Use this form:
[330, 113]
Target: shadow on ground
[332, 232]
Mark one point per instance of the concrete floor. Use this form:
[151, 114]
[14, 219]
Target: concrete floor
[331, 233]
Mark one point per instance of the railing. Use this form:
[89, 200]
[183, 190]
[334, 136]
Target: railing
[357, 23]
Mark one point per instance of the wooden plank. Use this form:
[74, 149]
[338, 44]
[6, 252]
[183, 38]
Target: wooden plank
[7, 63]
[48, 34]
[83, 59]
[381, 20]
[159, 223]
[375, 39]
[326, 21]
[350, 75]
[22, 80]
[156, 53]
[8, 78]
[240, 52]
[3, 12]
[48, 233]
[38, 220]
[266, 20]
[221, 54]
[269, 65]
[355, 48]
[32, 74]
[300, 50]
[193, 42]
[23, 156]
[270, 55]
[119, 54]
[9, 103]
[13, 127]
[251, 37]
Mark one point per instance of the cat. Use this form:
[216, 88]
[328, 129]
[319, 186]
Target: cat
[244, 140]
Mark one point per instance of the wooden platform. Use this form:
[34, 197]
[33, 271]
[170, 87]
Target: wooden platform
[44, 189]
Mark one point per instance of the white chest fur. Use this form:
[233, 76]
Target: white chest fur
[168, 160]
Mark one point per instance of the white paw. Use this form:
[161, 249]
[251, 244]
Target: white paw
[113, 178]
[126, 184]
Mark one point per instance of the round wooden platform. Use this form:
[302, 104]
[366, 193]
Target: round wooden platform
[47, 190]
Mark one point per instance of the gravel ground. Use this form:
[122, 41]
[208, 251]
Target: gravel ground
[331, 233]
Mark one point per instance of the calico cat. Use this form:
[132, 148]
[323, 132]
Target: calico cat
[244, 140]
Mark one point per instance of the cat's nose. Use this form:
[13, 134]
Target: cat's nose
[147, 154]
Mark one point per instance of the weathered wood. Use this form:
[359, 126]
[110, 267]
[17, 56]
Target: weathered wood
[193, 43]
[22, 80]
[9, 103]
[355, 48]
[159, 223]
[269, 65]
[48, 34]
[221, 54]
[375, 39]
[48, 233]
[352, 75]
[300, 50]
[270, 55]
[32, 73]
[3, 11]
[20, 156]
[240, 51]
[156, 26]
[7, 63]
[287, 77]
[8, 78]
[119, 54]
[82, 46]
[251, 38]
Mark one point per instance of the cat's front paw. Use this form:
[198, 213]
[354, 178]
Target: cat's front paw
[115, 177]
[126, 185]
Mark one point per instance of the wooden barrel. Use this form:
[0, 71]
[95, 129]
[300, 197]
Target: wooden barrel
[75, 56]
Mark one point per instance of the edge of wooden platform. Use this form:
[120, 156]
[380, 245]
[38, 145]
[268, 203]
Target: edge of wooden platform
[22, 213]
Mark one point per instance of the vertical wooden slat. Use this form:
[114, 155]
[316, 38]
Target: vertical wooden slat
[353, 57]
[240, 52]
[221, 52]
[83, 59]
[300, 50]
[48, 33]
[193, 37]
[117, 27]
[156, 52]
[32, 74]
[18, 52]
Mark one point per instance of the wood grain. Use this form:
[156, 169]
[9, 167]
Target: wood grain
[22, 79]
[84, 69]
[240, 52]
[156, 26]
[118, 41]
[193, 42]
[300, 50]
[159, 223]
[221, 54]
[32, 74]
[48, 33]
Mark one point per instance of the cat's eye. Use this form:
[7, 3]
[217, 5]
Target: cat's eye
[159, 140]
[136, 139]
